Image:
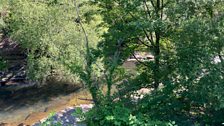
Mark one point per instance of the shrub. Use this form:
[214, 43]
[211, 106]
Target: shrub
[3, 64]
[118, 115]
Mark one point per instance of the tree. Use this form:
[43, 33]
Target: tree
[185, 37]
[149, 24]
[47, 30]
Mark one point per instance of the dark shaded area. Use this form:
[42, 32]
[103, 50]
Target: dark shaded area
[12, 100]
[14, 57]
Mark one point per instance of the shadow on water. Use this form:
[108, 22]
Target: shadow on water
[13, 100]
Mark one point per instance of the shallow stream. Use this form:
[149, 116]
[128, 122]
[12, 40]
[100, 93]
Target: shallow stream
[31, 104]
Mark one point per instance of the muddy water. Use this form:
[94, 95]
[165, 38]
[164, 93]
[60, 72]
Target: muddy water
[31, 104]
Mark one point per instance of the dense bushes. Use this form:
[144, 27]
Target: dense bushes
[51, 36]
[117, 114]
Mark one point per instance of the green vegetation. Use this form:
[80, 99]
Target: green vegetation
[49, 121]
[2, 64]
[88, 41]
[52, 39]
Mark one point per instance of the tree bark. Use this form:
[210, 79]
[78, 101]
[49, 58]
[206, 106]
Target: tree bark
[157, 62]
[157, 48]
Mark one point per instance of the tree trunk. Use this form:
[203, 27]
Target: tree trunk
[157, 62]
[157, 48]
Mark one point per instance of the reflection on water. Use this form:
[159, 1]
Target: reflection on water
[31, 104]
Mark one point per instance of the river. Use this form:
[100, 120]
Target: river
[31, 104]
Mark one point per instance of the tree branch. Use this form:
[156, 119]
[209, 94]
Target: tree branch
[147, 8]
[143, 43]
[84, 31]
[153, 4]
[161, 14]
[139, 60]
[147, 36]
[145, 32]
[221, 59]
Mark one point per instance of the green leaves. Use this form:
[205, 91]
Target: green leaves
[79, 114]
[184, 37]
[3, 64]
[2, 23]
[51, 36]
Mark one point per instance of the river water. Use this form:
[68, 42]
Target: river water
[31, 104]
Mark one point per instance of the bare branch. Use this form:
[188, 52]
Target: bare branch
[153, 4]
[149, 39]
[143, 43]
[143, 63]
[84, 32]
[147, 8]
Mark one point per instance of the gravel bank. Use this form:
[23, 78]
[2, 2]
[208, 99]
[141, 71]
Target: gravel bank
[65, 117]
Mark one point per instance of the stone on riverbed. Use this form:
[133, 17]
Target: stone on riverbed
[65, 117]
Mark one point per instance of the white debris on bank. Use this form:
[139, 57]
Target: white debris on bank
[139, 94]
[65, 117]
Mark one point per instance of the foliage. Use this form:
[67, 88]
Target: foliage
[79, 114]
[186, 39]
[50, 35]
[3, 16]
[50, 121]
[117, 115]
[3, 64]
